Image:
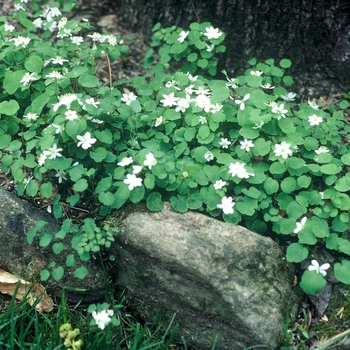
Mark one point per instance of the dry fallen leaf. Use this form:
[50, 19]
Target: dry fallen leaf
[8, 285]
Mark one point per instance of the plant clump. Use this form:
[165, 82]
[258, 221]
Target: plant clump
[244, 149]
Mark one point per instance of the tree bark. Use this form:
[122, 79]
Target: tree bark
[313, 34]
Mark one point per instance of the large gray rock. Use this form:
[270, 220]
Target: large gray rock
[27, 260]
[221, 280]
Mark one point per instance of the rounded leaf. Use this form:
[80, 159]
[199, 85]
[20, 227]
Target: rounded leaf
[311, 282]
[342, 271]
[154, 201]
[296, 252]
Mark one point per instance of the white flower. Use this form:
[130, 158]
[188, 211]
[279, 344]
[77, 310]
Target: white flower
[203, 101]
[125, 161]
[182, 36]
[111, 40]
[61, 175]
[41, 159]
[322, 195]
[169, 100]
[136, 169]
[159, 121]
[31, 116]
[201, 90]
[58, 60]
[38, 23]
[283, 150]
[267, 86]
[132, 181]
[322, 149]
[209, 48]
[259, 125]
[21, 41]
[238, 169]
[59, 128]
[128, 98]
[212, 33]
[54, 12]
[66, 100]
[300, 225]
[246, 144]
[203, 120]
[77, 40]
[224, 143]
[256, 73]
[313, 104]
[150, 160]
[91, 101]
[9, 28]
[54, 75]
[53, 152]
[172, 83]
[226, 205]
[289, 97]
[314, 120]
[27, 78]
[71, 115]
[215, 108]
[219, 184]
[278, 109]
[62, 22]
[191, 77]
[96, 37]
[102, 318]
[319, 269]
[231, 82]
[85, 141]
[182, 105]
[208, 156]
[241, 102]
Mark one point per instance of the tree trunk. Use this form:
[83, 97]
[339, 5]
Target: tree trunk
[313, 34]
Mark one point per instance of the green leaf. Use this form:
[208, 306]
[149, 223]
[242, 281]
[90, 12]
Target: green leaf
[154, 201]
[88, 81]
[343, 184]
[106, 198]
[179, 203]
[32, 188]
[194, 201]
[46, 189]
[45, 239]
[70, 260]
[277, 168]
[344, 246]
[9, 107]
[287, 226]
[304, 181]
[44, 275]
[58, 273]
[295, 163]
[296, 252]
[98, 155]
[103, 185]
[12, 80]
[307, 237]
[319, 227]
[34, 64]
[346, 159]
[342, 271]
[137, 194]
[271, 186]
[288, 185]
[104, 136]
[285, 63]
[81, 185]
[5, 140]
[330, 169]
[81, 272]
[57, 247]
[311, 282]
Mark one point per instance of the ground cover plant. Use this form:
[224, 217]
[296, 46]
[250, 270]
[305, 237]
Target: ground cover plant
[245, 149]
